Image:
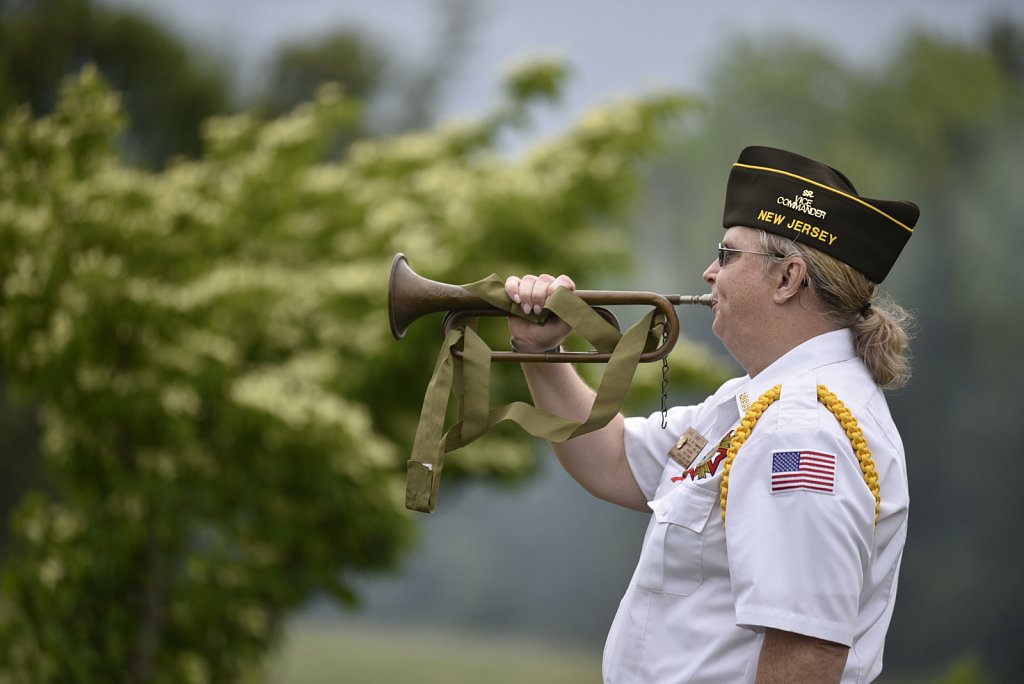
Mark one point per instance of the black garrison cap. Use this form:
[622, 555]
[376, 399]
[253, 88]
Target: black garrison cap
[816, 205]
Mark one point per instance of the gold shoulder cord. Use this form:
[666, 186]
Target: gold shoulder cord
[842, 414]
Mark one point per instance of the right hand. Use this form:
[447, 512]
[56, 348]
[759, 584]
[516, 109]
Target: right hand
[531, 292]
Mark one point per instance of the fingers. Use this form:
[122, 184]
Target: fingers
[531, 292]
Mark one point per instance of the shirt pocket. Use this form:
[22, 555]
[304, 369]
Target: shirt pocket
[670, 562]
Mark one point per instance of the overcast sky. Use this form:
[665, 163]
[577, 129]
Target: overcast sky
[615, 47]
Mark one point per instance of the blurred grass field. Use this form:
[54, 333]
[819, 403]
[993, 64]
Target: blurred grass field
[318, 653]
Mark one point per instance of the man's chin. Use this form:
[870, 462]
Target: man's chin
[716, 327]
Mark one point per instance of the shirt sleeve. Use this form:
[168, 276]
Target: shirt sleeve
[799, 526]
[647, 444]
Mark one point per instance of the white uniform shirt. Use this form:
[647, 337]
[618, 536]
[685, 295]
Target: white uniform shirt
[807, 559]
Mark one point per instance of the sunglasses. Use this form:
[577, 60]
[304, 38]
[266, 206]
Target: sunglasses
[725, 251]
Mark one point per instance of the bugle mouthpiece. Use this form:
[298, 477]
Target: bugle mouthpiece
[702, 300]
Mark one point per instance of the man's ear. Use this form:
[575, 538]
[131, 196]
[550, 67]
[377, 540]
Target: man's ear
[791, 275]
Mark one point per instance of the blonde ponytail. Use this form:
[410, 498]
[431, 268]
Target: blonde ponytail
[880, 326]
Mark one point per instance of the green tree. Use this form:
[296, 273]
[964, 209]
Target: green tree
[41, 41]
[395, 96]
[368, 70]
[346, 57]
[167, 90]
[224, 415]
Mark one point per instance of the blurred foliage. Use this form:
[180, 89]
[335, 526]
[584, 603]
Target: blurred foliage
[397, 94]
[170, 86]
[223, 412]
[393, 96]
[21, 468]
[167, 90]
[412, 90]
[940, 123]
[345, 57]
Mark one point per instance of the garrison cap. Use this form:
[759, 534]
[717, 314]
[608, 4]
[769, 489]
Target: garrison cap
[816, 205]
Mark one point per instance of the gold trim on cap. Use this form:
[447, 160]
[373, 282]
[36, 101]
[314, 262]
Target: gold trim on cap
[827, 187]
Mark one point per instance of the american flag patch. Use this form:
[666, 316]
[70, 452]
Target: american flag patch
[811, 470]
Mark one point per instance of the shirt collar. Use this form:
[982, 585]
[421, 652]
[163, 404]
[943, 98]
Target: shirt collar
[831, 347]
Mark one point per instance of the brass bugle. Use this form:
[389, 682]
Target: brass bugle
[411, 296]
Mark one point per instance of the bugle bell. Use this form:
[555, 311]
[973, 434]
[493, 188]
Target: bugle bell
[411, 296]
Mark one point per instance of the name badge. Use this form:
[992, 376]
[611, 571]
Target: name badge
[687, 447]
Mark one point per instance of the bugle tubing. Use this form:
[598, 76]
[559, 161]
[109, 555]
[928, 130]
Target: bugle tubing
[411, 296]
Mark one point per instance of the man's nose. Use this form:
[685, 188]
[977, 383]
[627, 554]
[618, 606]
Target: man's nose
[711, 272]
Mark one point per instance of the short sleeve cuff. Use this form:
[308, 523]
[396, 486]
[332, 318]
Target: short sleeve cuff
[756, 618]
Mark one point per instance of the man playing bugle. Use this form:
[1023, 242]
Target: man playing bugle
[779, 504]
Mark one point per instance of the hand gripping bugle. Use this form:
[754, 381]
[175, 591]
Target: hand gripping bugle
[463, 366]
[411, 296]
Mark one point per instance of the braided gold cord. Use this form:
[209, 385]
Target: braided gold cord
[841, 413]
[857, 441]
[747, 424]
